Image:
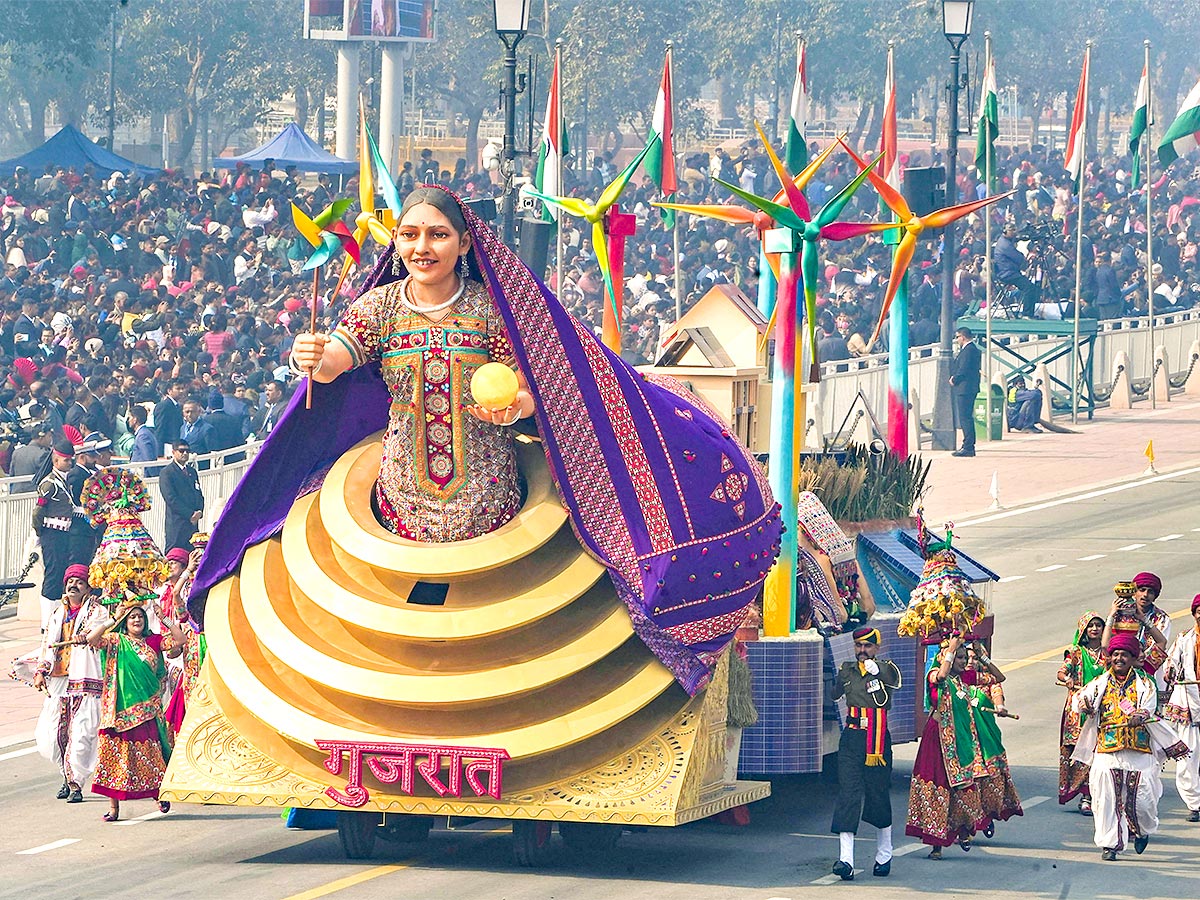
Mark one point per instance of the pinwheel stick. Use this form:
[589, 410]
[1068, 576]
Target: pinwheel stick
[312, 328]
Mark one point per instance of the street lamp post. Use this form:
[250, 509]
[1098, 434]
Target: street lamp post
[956, 25]
[512, 24]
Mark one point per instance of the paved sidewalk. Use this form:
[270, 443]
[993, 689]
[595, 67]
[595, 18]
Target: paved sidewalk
[1034, 467]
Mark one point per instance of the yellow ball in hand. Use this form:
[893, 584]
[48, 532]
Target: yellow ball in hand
[494, 386]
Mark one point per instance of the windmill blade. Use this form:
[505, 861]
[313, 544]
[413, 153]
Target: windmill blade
[734, 215]
[843, 231]
[613, 191]
[366, 182]
[781, 214]
[333, 212]
[892, 198]
[391, 196]
[571, 205]
[306, 226]
[904, 255]
[941, 217]
[795, 198]
[378, 230]
[323, 253]
[834, 207]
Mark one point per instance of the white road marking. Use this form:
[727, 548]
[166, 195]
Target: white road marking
[1032, 802]
[147, 817]
[13, 754]
[54, 845]
[1196, 529]
[833, 879]
[1052, 568]
[1169, 537]
[15, 739]
[1090, 495]
[1093, 557]
[1008, 578]
[907, 849]
[1130, 547]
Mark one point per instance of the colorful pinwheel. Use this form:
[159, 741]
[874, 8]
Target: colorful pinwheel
[595, 213]
[326, 232]
[913, 226]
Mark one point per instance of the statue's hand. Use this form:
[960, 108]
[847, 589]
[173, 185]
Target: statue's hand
[507, 416]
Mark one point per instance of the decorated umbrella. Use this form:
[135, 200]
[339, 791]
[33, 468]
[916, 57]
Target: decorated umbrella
[608, 224]
[326, 232]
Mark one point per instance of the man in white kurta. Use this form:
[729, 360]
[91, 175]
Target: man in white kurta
[1182, 709]
[1124, 748]
[70, 721]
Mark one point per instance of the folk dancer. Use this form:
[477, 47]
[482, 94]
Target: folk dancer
[134, 745]
[1082, 662]
[52, 524]
[1125, 746]
[1153, 625]
[865, 753]
[957, 760]
[70, 672]
[193, 644]
[1182, 709]
[997, 794]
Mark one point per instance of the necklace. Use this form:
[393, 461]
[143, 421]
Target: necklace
[405, 299]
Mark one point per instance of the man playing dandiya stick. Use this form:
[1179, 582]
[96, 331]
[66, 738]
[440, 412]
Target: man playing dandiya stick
[1125, 746]
[53, 734]
[79, 666]
[865, 753]
[1182, 709]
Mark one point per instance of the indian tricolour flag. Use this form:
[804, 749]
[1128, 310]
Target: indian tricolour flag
[1184, 133]
[1137, 128]
[1073, 160]
[797, 147]
[548, 179]
[989, 127]
[660, 161]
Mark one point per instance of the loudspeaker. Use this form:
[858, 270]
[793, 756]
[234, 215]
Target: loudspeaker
[533, 236]
[925, 189]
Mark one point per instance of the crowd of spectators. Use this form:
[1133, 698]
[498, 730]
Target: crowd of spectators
[146, 309]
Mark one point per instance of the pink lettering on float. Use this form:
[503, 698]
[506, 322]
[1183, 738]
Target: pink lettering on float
[393, 763]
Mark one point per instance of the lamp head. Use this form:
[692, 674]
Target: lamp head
[512, 16]
[956, 20]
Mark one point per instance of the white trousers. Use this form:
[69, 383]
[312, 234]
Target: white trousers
[49, 736]
[1125, 792]
[1187, 770]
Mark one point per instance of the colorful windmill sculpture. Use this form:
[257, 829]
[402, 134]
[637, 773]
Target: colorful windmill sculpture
[326, 232]
[794, 239]
[610, 227]
[913, 226]
[371, 222]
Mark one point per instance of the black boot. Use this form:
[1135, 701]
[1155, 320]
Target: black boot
[64, 792]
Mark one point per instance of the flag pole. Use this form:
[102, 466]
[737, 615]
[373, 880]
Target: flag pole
[675, 220]
[1149, 231]
[1087, 58]
[558, 235]
[987, 229]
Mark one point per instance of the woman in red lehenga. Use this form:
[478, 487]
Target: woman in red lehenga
[134, 744]
[1083, 662]
[960, 781]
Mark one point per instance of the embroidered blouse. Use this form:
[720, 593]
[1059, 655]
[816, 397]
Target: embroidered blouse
[445, 475]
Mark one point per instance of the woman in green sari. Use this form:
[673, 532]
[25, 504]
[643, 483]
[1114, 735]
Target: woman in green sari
[1082, 662]
[134, 744]
[960, 781]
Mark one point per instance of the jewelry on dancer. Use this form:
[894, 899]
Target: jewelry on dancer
[410, 304]
[397, 265]
[462, 267]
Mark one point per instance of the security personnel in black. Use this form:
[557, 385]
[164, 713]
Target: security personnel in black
[83, 537]
[865, 753]
[52, 524]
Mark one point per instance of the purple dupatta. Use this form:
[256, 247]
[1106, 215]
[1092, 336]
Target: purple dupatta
[657, 488]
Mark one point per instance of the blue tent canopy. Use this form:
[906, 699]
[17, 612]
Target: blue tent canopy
[71, 148]
[291, 147]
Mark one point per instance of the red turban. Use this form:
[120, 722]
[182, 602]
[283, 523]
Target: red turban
[1195, 603]
[78, 570]
[178, 554]
[1148, 579]
[1125, 640]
